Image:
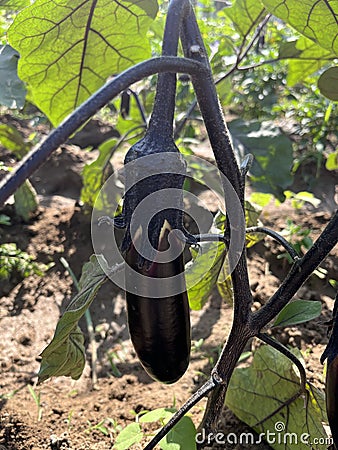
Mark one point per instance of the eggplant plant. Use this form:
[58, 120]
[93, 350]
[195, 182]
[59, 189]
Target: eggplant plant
[159, 322]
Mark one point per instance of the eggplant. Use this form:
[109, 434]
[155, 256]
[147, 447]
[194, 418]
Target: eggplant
[331, 385]
[159, 322]
[159, 327]
[331, 391]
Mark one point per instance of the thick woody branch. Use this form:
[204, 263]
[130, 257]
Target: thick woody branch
[37, 156]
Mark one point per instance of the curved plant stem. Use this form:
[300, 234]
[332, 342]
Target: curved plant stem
[37, 156]
[288, 247]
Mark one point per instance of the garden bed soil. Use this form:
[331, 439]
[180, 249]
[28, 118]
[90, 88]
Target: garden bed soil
[29, 310]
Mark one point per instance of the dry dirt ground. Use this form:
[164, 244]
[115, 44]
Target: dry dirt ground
[29, 310]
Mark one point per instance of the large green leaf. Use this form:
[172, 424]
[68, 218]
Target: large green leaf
[65, 355]
[257, 392]
[306, 57]
[12, 89]
[328, 83]
[68, 48]
[315, 19]
[272, 150]
[245, 14]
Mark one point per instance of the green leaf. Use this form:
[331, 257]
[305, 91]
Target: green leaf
[5, 220]
[65, 355]
[12, 140]
[12, 89]
[252, 214]
[159, 414]
[205, 272]
[149, 6]
[130, 435]
[332, 161]
[13, 5]
[306, 57]
[298, 199]
[181, 437]
[94, 175]
[26, 200]
[271, 170]
[296, 312]
[245, 14]
[328, 84]
[315, 19]
[68, 48]
[269, 383]
[260, 199]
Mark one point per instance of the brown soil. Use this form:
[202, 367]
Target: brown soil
[30, 308]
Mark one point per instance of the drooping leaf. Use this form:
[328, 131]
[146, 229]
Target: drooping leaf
[26, 200]
[315, 19]
[328, 83]
[12, 89]
[306, 57]
[69, 48]
[270, 381]
[12, 140]
[245, 14]
[130, 435]
[65, 355]
[273, 154]
[296, 312]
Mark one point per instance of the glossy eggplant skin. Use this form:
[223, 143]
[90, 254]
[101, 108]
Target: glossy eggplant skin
[159, 327]
[331, 391]
[331, 385]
